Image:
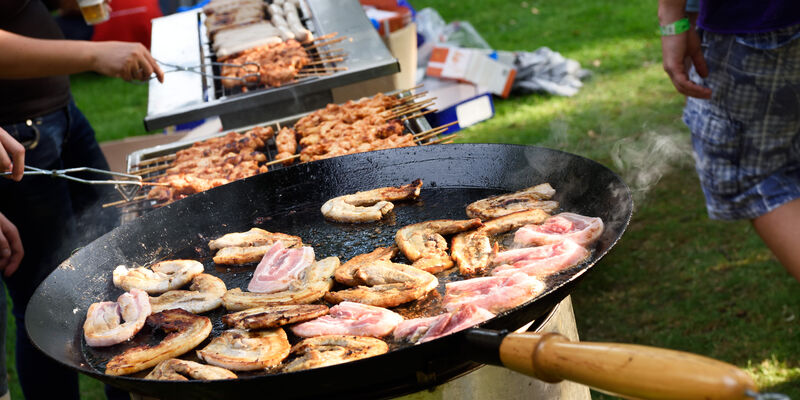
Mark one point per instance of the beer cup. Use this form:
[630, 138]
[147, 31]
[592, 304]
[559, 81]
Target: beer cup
[94, 11]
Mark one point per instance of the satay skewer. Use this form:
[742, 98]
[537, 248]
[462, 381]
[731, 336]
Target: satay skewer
[325, 37]
[326, 60]
[413, 116]
[314, 46]
[168, 157]
[324, 69]
[273, 162]
[432, 132]
[443, 140]
[125, 202]
[332, 53]
[157, 168]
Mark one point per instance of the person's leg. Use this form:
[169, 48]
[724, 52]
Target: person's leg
[780, 230]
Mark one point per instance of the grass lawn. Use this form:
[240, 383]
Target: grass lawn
[676, 279]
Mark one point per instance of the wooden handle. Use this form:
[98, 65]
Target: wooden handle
[624, 369]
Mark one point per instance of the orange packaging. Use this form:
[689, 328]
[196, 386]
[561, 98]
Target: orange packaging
[473, 66]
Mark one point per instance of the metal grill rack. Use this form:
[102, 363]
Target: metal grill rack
[181, 39]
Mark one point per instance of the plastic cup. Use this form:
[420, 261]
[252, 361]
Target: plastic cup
[94, 11]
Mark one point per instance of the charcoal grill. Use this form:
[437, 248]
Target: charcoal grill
[181, 39]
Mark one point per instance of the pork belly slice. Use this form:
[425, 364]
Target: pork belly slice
[581, 229]
[322, 351]
[388, 284]
[252, 238]
[369, 205]
[104, 326]
[541, 260]
[472, 250]
[176, 369]
[348, 318]
[426, 329]
[279, 267]
[494, 294]
[159, 278]
[535, 197]
[204, 295]
[310, 286]
[184, 332]
[345, 273]
[423, 244]
[274, 316]
[239, 350]
[247, 247]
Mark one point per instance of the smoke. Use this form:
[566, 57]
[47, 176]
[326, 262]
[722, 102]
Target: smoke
[644, 159]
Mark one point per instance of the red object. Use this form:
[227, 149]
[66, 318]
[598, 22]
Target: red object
[129, 22]
[389, 25]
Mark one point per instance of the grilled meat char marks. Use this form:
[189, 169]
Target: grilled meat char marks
[246, 247]
[184, 332]
[274, 316]
[426, 329]
[322, 351]
[424, 245]
[204, 295]
[159, 278]
[535, 197]
[386, 284]
[369, 205]
[176, 369]
[240, 350]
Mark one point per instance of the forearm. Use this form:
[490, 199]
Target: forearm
[38, 57]
[670, 11]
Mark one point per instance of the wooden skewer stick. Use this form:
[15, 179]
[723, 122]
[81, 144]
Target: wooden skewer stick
[325, 61]
[149, 161]
[406, 118]
[411, 110]
[337, 40]
[282, 160]
[151, 169]
[301, 75]
[324, 69]
[414, 106]
[433, 132]
[325, 37]
[443, 140]
[125, 202]
[332, 53]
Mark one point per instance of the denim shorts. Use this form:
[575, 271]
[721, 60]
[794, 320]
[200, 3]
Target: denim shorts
[746, 138]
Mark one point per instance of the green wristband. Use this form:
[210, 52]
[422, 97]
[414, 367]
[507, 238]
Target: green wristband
[675, 28]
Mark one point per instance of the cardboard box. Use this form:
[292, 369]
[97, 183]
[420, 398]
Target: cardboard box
[463, 103]
[473, 66]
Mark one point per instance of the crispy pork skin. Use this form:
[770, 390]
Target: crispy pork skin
[581, 229]
[535, 197]
[184, 332]
[369, 205]
[322, 351]
[176, 369]
[345, 273]
[348, 318]
[494, 294]
[541, 260]
[279, 267]
[159, 278]
[309, 287]
[274, 316]
[386, 284]
[472, 250]
[104, 326]
[424, 245]
[425, 329]
[252, 238]
[239, 350]
[204, 295]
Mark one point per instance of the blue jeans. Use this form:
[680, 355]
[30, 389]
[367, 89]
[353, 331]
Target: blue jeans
[53, 216]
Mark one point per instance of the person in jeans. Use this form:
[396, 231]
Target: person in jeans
[739, 65]
[54, 216]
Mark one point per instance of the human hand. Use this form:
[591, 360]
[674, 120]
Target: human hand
[679, 52]
[125, 60]
[12, 156]
[11, 251]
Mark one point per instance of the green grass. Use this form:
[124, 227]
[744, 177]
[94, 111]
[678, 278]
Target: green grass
[676, 279]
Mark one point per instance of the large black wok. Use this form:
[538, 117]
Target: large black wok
[288, 201]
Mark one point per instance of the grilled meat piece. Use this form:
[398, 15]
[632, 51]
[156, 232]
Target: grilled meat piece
[161, 277]
[286, 143]
[279, 64]
[176, 369]
[535, 197]
[388, 285]
[184, 332]
[541, 260]
[346, 272]
[274, 316]
[309, 287]
[581, 229]
[425, 329]
[239, 350]
[204, 295]
[348, 318]
[494, 294]
[369, 205]
[255, 237]
[322, 351]
[103, 326]
[472, 250]
[423, 244]
[279, 267]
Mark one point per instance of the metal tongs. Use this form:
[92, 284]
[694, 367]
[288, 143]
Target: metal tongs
[252, 77]
[127, 188]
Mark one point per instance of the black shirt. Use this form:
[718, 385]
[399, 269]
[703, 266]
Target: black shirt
[21, 99]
